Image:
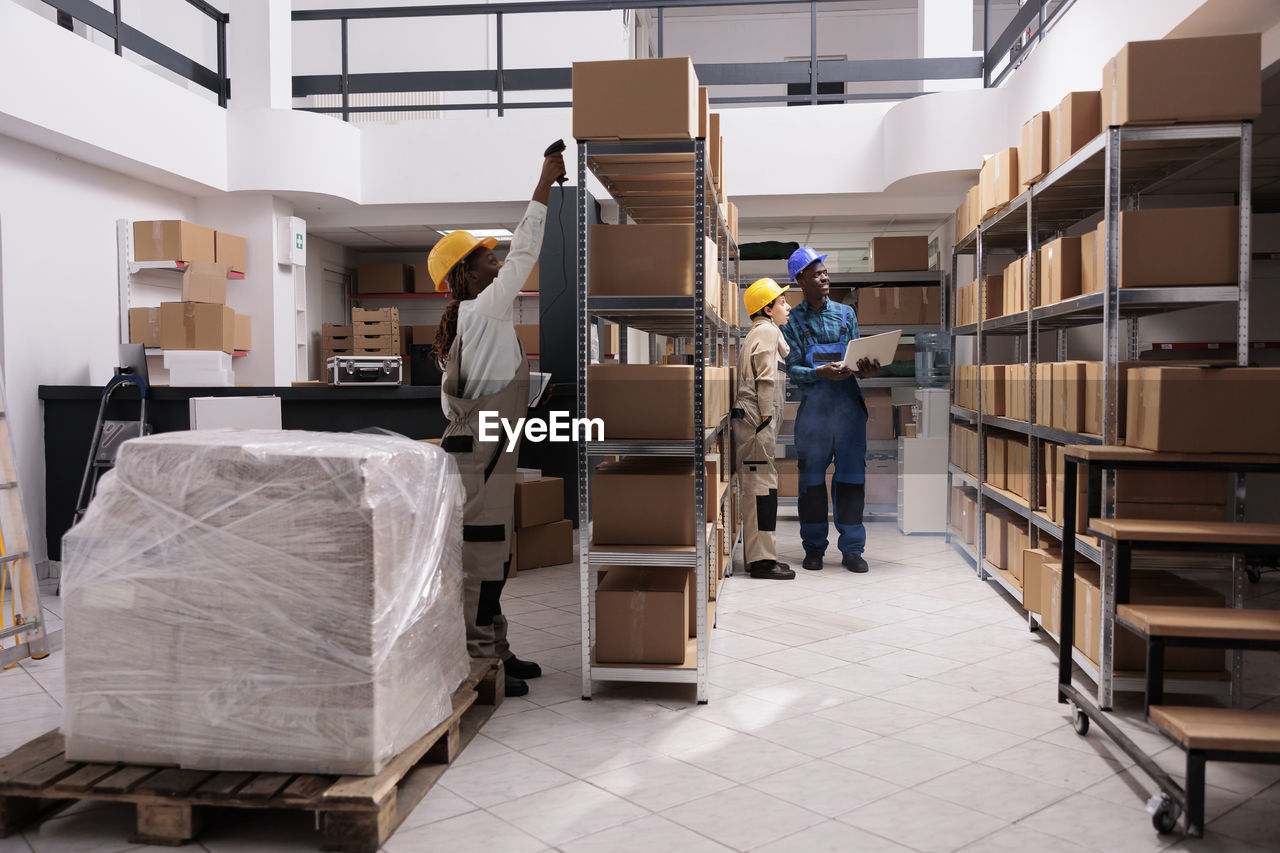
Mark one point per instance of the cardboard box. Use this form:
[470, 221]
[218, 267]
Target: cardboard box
[1093, 260]
[1088, 612]
[636, 99]
[1203, 410]
[998, 181]
[1093, 401]
[1044, 394]
[545, 545]
[1056, 475]
[993, 285]
[997, 454]
[1076, 120]
[197, 326]
[1179, 246]
[665, 490]
[1018, 467]
[234, 412]
[653, 401]
[881, 486]
[1034, 152]
[384, 278]
[992, 389]
[230, 250]
[879, 413]
[529, 335]
[144, 327]
[539, 502]
[715, 146]
[996, 540]
[1016, 541]
[642, 615]
[172, 240]
[203, 281]
[1069, 384]
[1034, 578]
[1059, 270]
[645, 260]
[1184, 80]
[896, 305]
[242, 340]
[899, 254]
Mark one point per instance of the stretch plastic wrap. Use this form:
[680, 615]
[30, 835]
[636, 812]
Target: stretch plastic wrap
[262, 600]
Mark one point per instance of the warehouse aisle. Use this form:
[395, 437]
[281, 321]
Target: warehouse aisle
[909, 704]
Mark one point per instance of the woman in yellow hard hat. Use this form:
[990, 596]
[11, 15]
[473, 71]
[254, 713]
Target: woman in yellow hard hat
[485, 371]
[757, 412]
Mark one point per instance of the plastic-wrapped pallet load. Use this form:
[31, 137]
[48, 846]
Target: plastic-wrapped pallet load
[264, 601]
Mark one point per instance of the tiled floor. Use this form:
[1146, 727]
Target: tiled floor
[906, 709]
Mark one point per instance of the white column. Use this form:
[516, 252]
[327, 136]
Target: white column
[260, 54]
[946, 30]
[266, 293]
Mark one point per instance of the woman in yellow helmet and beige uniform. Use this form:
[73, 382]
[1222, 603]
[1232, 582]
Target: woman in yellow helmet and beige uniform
[757, 413]
[485, 370]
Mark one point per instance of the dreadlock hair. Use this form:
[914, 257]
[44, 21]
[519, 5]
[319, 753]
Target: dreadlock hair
[456, 280]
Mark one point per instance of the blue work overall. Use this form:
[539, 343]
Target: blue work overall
[831, 421]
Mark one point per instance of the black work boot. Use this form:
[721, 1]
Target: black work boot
[517, 668]
[812, 561]
[855, 563]
[770, 570]
[515, 687]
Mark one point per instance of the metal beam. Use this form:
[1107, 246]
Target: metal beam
[463, 10]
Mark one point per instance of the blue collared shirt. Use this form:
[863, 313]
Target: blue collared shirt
[833, 323]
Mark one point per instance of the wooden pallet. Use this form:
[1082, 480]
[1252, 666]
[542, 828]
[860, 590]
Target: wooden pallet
[358, 813]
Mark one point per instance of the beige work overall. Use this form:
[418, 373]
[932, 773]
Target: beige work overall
[758, 408]
[488, 474]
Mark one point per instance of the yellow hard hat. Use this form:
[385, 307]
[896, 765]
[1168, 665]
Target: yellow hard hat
[452, 248]
[761, 293]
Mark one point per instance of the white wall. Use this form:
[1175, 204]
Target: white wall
[59, 287]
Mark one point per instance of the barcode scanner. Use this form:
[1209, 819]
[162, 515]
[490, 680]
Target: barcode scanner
[555, 148]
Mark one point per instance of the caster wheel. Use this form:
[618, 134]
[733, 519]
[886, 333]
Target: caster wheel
[1165, 817]
[1079, 721]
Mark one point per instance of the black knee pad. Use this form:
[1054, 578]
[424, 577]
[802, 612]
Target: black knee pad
[849, 501]
[490, 604]
[767, 511]
[812, 505]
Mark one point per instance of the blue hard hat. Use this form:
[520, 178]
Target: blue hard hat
[801, 258]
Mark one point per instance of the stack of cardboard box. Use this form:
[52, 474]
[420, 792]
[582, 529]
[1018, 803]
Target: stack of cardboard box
[541, 536]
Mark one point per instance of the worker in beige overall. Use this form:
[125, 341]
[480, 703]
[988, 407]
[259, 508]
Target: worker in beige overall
[485, 370]
[757, 413]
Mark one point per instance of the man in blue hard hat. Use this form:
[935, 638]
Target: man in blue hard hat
[832, 420]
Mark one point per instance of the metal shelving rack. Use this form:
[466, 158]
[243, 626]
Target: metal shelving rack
[659, 181]
[918, 278]
[1089, 182]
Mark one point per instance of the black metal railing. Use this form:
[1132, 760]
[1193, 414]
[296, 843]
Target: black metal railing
[1028, 27]
[108, 21]
[502, 80]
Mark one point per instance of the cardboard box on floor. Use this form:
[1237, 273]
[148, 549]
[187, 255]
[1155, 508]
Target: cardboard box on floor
[197, 326]
[172, 240]
[231, 250]
[606, 103]
[1184, 80]
[899, 254]
[144, 327]
[539, 502]
[1203, 410]
[545, 545]
[642, 615]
